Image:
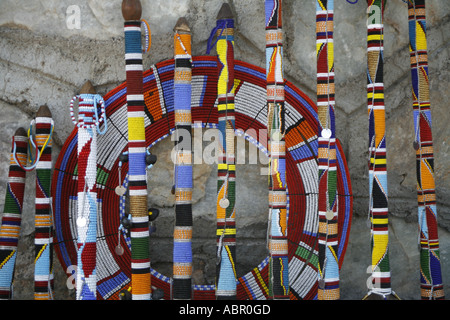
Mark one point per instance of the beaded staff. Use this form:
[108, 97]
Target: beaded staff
[12, 212]
[430, 265]
[278, 243]
[140, 257]
[182, 247]
[88, 124]
[327, 202]
[378, 189]
[226, 179]
[43, 240]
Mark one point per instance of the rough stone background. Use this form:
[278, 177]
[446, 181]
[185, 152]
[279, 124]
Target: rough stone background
[43, 61]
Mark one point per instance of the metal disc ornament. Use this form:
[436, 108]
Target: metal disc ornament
[119, 250]
[329, 215]
[326, 133]
[120, 190]
[277, 135]
[224, 203]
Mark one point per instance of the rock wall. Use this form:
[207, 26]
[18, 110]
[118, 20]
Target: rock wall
[46, 54]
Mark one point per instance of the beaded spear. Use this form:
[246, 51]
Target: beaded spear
[88, 124]
[378, 189]
[430, 264]
[327, 203]
[278, 243]
[140, 257]
[182, 247]
[226, 180]
[12, 212]
[43, 239]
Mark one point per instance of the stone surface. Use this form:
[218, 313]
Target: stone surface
[45, 59]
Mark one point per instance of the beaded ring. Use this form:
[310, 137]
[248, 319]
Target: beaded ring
[98, 120]
[32, 143]
[148, 36]
[301, 167]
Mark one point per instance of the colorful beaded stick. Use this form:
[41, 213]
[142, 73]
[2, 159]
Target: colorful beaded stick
[88, 124]
[328, 200]
[182, 237]
[140, 258]
[12, 212]
[278, 244]
[226, 179]
[430, 264]
[43, 239]
[378, 192]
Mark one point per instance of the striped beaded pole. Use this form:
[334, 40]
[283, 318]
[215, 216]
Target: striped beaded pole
[378, 191]
[327, 203]
[139, 233]
[278, 244]
[88, 122]
[226, 182]
[182, 247]
[430, 264]
[12, 212]
[43, 239]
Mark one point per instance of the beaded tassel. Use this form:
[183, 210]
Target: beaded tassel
[328, 206]
[430, 265]
[43, 263]
[182, 247]
[378, 205]
[88, 121]
[12, 213]
[226, 181]
[278, 244]
[140, 257]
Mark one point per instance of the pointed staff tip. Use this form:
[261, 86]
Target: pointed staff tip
[21, 132]
[131, 10]
[182, 25]
[225, 12]
[87, 88]
[44, 112]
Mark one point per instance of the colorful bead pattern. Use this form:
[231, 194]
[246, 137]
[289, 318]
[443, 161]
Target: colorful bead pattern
[226, 179]
[86, 280]
[250, 102]
[12, 215]
[140, 258]
[182, 237]
[328, 201]
[430, 264]
[43, 239]
[278, 244]
[378, 205]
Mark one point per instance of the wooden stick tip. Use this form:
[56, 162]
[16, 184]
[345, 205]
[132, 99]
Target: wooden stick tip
[225, 12]
[131, 10]
[44, 112]
[182, 25]
[21, 132]
[87, 88]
